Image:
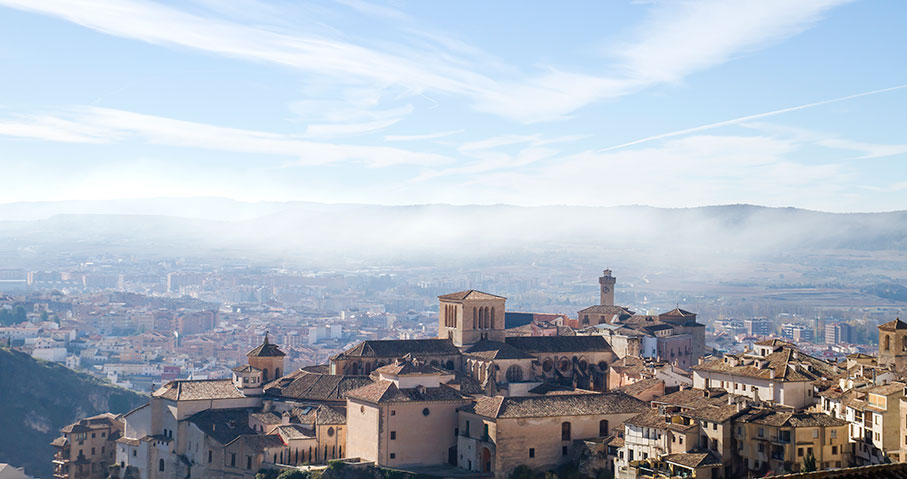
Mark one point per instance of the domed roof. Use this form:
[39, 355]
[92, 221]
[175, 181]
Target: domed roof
[266, 349]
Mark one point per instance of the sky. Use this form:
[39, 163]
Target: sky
[599, 103]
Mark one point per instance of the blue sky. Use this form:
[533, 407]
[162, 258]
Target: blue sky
[664, 103]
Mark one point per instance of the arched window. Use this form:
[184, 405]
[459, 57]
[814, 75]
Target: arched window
[514, 374]
[491, 319]
[887, 343]
[264, 375]
[565, 431]
[160, 465]
[449, 365]
[354, 369]
[603, 427]
[475, 317]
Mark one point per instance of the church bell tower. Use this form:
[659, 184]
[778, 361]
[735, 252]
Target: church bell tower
[607, 288]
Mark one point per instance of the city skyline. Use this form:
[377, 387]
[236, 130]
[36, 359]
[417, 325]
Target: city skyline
[657, 103]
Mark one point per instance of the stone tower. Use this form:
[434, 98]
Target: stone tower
[267, 358]
[471, 316]
[893, 344]
[607, 288]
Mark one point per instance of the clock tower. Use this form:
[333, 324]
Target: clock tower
[607, 288]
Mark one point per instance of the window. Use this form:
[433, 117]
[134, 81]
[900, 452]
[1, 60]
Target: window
[834, 449]
[531, 452]
[714, 426]
[393, 456]
[809, 451]
[467, 428]
[93, 435]
[135, 451]
[426, 412]
[485, 431]
[160, 465]
[815, 433]
[248, 462]
[565, 431]
[834, 434]
[761, 432]
[92, 451]
[393, 413]
[233, 460]
[799, 452]
[514, 374]
[210, 456]
[393, 435]
[681, 439]
[103, 434]
[761, 447]
[330, 432]
[564, 450]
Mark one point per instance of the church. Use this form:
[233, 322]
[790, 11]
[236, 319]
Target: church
[473, 397]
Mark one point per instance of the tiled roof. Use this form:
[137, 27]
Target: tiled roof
[289, 432]
[781, 418]
[322, 415]
[261, 442]
[693, 459]
[302, 384]
[409, 367]
[606, 309]
[466, 384]
[893, 325]
[639, 387]
[489, 350]
[198, 389]
[469, 294]
[396, 348]
[556, 405]
[266, 417]
[653, 419]
[786, 364]
[715, 412]
[693, 398]
[266, 349]
[387, 391]
[223, 425]
[678, 312]
[101, 421]
[559, 344]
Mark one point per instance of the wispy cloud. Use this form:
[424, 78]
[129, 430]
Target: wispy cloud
[679, 38]
[105, 125]
[426, 136]
[335, 130]
[747, 118]
[827, 140]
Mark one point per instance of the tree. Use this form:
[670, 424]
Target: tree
[113, 471]
[293, 474]
[132, 472]
[809, 463]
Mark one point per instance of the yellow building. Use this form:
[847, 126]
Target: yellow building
[777, 441]
[86, 448]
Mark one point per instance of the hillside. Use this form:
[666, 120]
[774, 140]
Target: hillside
[36, 235]
[37, 398]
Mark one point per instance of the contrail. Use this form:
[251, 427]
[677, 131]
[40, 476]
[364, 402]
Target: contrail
[748, 117]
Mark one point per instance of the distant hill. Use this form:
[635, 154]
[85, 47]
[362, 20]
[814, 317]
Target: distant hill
[331, 235]
[37, 398]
